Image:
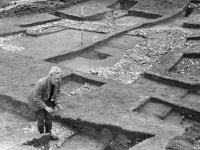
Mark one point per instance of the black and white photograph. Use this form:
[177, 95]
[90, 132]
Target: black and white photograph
[100, 75]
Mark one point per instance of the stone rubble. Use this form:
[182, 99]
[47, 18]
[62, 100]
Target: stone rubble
[8, 47]
[187, 66]
[193, 44]
[83, 89]
[51, 27]
[135, 61]
[46, 29]
[79, 25]
[29, 7]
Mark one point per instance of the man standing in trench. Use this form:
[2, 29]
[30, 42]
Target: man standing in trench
[43, 100]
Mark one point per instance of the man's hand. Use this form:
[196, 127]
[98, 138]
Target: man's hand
[49, 109]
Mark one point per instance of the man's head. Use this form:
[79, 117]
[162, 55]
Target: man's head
[55, 74]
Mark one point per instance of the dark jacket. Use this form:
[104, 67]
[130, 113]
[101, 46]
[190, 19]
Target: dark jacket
[41, 92]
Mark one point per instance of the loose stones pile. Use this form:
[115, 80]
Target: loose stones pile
[4, 45]
[135, 61]
[187, 66]
[79, 25]
[21, 8]
[83, 90]
[45, 29]
[62, 132]
[193, 44]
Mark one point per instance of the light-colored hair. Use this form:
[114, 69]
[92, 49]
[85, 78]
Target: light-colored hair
[55, 70]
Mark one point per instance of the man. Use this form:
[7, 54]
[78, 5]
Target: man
[43, 100]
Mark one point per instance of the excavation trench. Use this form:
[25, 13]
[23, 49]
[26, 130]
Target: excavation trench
[17, 120]
[90, 136]
[95, 55]
[169, 112]
[73, 134]
[92, 12]
[74, 85]
[107, 54]
[189, 64]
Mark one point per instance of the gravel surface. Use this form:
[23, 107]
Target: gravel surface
[79, 25]
[135, 61]
[9, 47]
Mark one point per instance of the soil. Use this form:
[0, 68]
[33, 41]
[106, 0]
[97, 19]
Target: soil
[105, 112]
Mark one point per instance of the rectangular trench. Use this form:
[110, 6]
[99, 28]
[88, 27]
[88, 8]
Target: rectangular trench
[86, 135]
[91, 136]
[74, 85]
[168, 112]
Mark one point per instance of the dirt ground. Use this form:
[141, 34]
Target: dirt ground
[106, 84]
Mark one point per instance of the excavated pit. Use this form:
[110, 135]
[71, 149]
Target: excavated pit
[104, 137]
[127, 4]
[97, 12]
[94, 55]
[97, 56]
[73, 134]
[89, 136]
[77, 85]
[168, 112]
[115, 5]
[90, 12]
[189, 64]
[70, 55]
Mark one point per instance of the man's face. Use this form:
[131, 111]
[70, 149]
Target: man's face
[55, 79]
